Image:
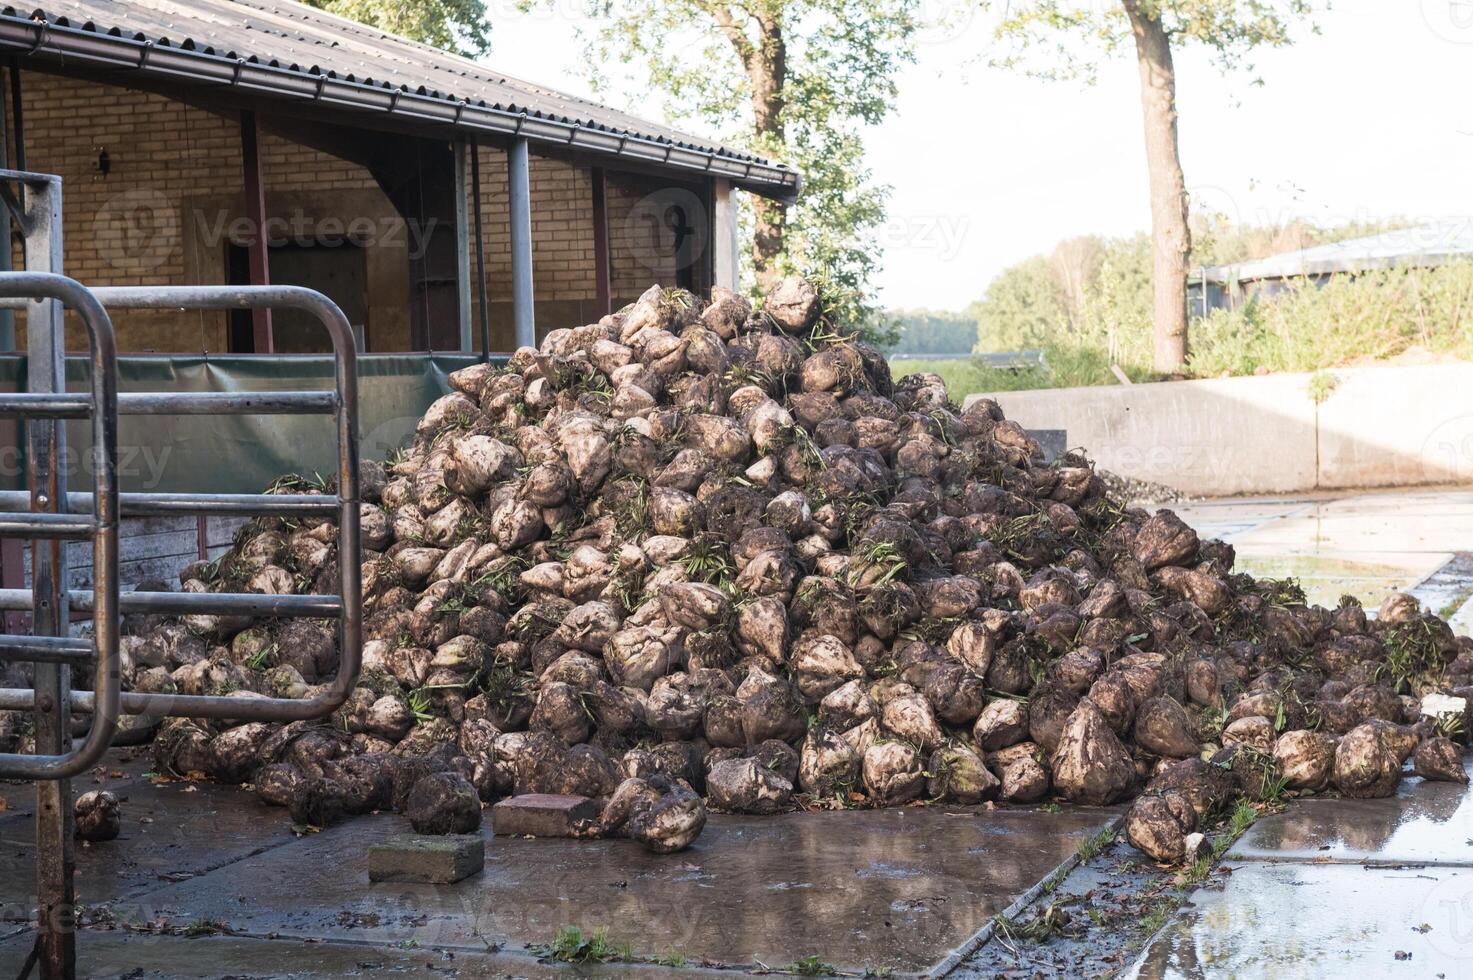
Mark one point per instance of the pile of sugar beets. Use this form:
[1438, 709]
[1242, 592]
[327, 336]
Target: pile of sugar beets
[700, 556]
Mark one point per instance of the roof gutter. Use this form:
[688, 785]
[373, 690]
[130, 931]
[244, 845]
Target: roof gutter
[64, 43]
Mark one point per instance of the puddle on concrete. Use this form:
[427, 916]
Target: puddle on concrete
[1278, 920]
[1325, 578]
[1423, 822]
[1366, 544]
[877, 888]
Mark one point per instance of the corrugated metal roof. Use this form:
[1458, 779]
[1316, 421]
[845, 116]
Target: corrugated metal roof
[1429, 244]
[286, 49]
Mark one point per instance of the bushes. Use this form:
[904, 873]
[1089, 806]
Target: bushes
[1087, 305]
[1372, 315]
[1306, 327]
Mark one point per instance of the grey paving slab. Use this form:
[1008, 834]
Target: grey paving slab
[119, 955]
[895, 888]
[1423, 823]
[1290, 921]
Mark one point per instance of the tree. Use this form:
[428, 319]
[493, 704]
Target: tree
[933, 332]
[796, 81]
[1024, 308]
[1228, 29]
[460, 26]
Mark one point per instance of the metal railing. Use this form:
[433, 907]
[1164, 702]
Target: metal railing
[344, 505]
[40, 522]
[48, 515]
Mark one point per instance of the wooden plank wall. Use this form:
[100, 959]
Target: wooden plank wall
[150, 549]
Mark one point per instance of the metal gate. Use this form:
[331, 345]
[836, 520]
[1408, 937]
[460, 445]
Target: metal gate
[47, 513]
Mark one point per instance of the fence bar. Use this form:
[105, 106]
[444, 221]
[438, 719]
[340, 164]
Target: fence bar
[39, 524]
[56, 405]
[57, 759]
[228, 403]
[47, 649]
[217, 504]
[71, 406]
[195, 603]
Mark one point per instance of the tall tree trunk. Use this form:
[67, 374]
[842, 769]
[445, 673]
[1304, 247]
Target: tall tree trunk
[1170, 236]
[769, 81]
[766, 64]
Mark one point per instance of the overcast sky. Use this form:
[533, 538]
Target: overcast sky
[1370, 119]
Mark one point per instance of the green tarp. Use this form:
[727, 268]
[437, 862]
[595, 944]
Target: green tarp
[238, 454]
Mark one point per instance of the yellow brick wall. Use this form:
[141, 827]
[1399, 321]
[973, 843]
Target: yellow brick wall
[164, 212]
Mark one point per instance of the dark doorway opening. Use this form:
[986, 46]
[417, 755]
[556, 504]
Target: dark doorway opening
[338, 271]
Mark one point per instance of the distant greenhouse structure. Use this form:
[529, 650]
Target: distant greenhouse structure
[1228, 287]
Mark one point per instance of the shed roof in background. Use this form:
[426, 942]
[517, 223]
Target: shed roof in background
[279, 49]
[1429, 244]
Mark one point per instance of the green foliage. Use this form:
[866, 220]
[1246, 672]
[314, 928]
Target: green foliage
[204, 927]
[812, 966]
[419, 704]
[1413, 656]
[1094, 844]
[793, 80]
[1321, 385]
[1243, 817]
[1088, 304]
[1371, 315]
[570, 945]
[708, 562]
[933, 332]
[459, 26]
[1023, 307]
[674, 958]
[1064, 39]
[262, 658]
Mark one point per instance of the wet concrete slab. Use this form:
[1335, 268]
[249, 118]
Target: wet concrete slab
[1336, 888]
[1423, 822]
[887, 888]
[1312, 921]
[1325, 577]
[134, 956]
[171, 831]
[1367, 544]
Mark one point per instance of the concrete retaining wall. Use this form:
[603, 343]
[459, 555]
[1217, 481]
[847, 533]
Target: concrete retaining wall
[1379, 427]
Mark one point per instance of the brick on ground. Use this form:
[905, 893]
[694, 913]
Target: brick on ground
[431, 860]
[541, 815]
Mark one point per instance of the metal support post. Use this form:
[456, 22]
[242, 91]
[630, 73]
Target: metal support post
[485, 314]
[259, 248]
[46, 446]
[519, 186]
[602, 271]
[462, 247]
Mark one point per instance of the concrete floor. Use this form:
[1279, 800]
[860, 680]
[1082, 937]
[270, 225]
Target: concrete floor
[1334, 888]
[205, 882]
[1366, 544]
[205, 877]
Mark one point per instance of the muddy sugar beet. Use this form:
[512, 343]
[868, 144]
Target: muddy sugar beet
[716, 556]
